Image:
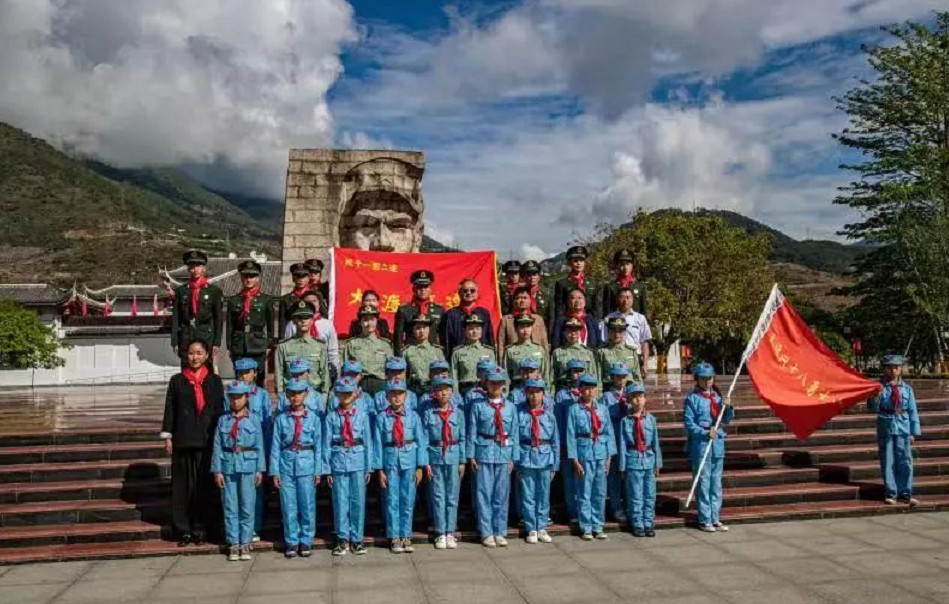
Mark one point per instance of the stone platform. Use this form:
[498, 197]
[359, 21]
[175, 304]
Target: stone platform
[83, 475]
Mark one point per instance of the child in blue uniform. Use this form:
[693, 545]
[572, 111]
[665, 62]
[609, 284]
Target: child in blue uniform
[444, 424]
[702, 407]
[492, 434]
[237, 463]
[615, 400]
[438, 369]
[399, 456]
[539, 459]
[296, 464]
[640, 459]
[262, 410]
[590, 445]
[396, 371]
[347, 455]
[300, 369]
[567, 395]
[897, 429]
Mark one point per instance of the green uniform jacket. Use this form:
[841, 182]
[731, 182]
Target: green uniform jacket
[609, 298]
[307, 347]
[564, 354]
[403, 324]
[253, 337]
[464, 362]
[208, 325]
[417, 359]
[621, 353]
[372, 351]
[562, 289]
[515, 353]
[287, 302]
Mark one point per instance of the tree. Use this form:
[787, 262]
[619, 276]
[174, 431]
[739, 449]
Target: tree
[899, 125]
[25, 342]
[707, 281]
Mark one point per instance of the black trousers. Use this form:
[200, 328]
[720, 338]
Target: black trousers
[193, 493]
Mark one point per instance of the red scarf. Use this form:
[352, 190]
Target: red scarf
[468, 307]
[445, 415]
[499, 434]
[594, 420]
[314, 284]
[299, 292]
[535, 426]
[196, 285]
[712, 402]
[626, 280]
[297, 428]
[314, 330]
[581, 315]
[422, 306]
[579, 279]
[249, 295]
[236, 426]
[196, 379]
[897, 397]
[512, 287]
[534, 290]
[346, 433]
[398, 428]
[621, 399]
[640, 433]
[575, 392]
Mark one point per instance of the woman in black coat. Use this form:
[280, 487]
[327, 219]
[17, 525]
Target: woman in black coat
[193, 404]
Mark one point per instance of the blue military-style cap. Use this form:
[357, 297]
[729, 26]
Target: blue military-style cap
[237, 387]
[496, 374]
[635, 388]
[485, 364]
[295, 385]
[588, 379]
[618, 369]
[396, 386]
[442, 381]
[893, 359]
[529, 363]
[438, 365]
[574, 364]
[244, 364]
[395, 364]
[351, 366]
[299, 365]
[703, 370]
[346, 384]
[535, 383]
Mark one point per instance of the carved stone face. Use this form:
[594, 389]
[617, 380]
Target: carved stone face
[383, 207]
[383, 230]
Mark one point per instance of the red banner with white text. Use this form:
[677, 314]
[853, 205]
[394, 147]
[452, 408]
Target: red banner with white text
[386, 273]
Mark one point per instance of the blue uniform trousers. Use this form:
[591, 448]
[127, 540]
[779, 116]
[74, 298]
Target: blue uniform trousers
[259, 504]
[400, 503]
[494, 490]
[709, 490]
[534, 489]
[298, 505]
[238, 499]
[591, 495]
[614, 488]
[349, 505]
[443, 490]
[896, 465]
[641, 498]
[569, 487]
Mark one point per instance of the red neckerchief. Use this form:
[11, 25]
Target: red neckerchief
[236, 426]
[499, 434]
[712, 401]
[299, 292]
[579, 279]
[196, 285]
[535, 425]
[897, 397]
[626, 280]
[594, 420]
[398, 428]
[314, 330]
[581, 315]
[575, 392]
[297, 428]
[512, 287]
[445, 415]
[640, 433]
[249, 295]
[534, 290]
[621, 399]
[468, 307]
[422, 306]
[346, 433]
[314, 285]
[196, 379]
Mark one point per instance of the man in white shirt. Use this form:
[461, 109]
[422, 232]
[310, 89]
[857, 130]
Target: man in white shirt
[324, 331]
[638, 334]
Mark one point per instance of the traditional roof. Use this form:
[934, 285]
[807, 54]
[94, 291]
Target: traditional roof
[97, 325]
[222, 272]
[126, 292]
[33, 294]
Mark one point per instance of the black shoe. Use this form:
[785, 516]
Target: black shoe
[358, 549]
[289, 553]
[341, 548]
[650, 532]
[199, 538]
[305, 551]
[638, 532]
[186, 540]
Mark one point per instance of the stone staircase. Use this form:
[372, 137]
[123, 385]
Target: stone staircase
[82, 475]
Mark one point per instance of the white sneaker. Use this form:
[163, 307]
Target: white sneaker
[587, 536]
[255, 539]
[452, 542]
[500, 541]
[441, 542]
[707, 528]
[532, 537]
[543, 537]
[720, 527]
[489, 542]
[233, 553]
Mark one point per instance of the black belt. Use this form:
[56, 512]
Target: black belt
[488, 436]
[405, 443]
[581, 436]
[451, 443]
[241, 449]
[630, 448]
[530, 443]
[339, 443]
[298, 448]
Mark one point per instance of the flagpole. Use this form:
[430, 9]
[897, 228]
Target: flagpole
[764, 321]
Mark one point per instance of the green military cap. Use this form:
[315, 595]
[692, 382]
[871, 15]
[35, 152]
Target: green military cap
[616, 323]
[249, 267]
[314, 265]
[474, 319]
[572, 323]
[423, 319]
[523, 320]
[622, 256]
[511, 266]
[530, 267]
[302, 309]
[299, 268]
[368, 310]
[577, 251]
[422, 277]
[195, 257]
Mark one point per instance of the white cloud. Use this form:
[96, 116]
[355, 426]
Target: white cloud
[440, 234]
[532, 252]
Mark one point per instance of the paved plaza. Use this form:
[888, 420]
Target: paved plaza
[892, 559]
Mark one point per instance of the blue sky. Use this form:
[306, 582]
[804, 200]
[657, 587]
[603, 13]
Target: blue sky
[539, 118]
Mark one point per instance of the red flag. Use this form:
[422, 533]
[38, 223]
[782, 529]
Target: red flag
[803, 381]
[155, 305]
[134, 306]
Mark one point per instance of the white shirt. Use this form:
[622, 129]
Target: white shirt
[637, 329]
[327, 334]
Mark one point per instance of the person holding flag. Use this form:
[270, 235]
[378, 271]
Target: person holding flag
[700, 418]
[897, 428]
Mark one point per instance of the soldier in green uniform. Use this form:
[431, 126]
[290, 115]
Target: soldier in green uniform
[288, 301]
[618, 351]
[464, 359]
[624, 278]
[512, 280]
[421, 304]
[314, 269]
[523, 349]
[197, 310]
[420, 354]
[250, 321]
[370, 350]
[303, 345]
[573, 349]
[540, 300]
[575, 279]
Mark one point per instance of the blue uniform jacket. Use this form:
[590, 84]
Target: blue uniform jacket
[363, 401]
[547, 455]
[888, 422]
[566, 398]
[313, 402]
[413, 453]
[259, 404]
[481, 443]
[629, 457]
[338, 458]
[243, 456]
[426, 401]
[381, 402]
[580, 445]
[697, 419]
[308, 459]
[432, 424]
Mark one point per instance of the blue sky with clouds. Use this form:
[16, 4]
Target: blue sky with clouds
[539, 118]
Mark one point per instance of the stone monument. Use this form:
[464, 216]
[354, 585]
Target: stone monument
[370, 200]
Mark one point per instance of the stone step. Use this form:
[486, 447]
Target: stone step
[68, 534]
[76, 512]
[131, 469]
[869, 470]
[79, 490]
[670, 482]
[819, 509]
[740, 427]
[923, 486]
[77, 437]
[81, 452]
[854, 453]
[770, 495]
